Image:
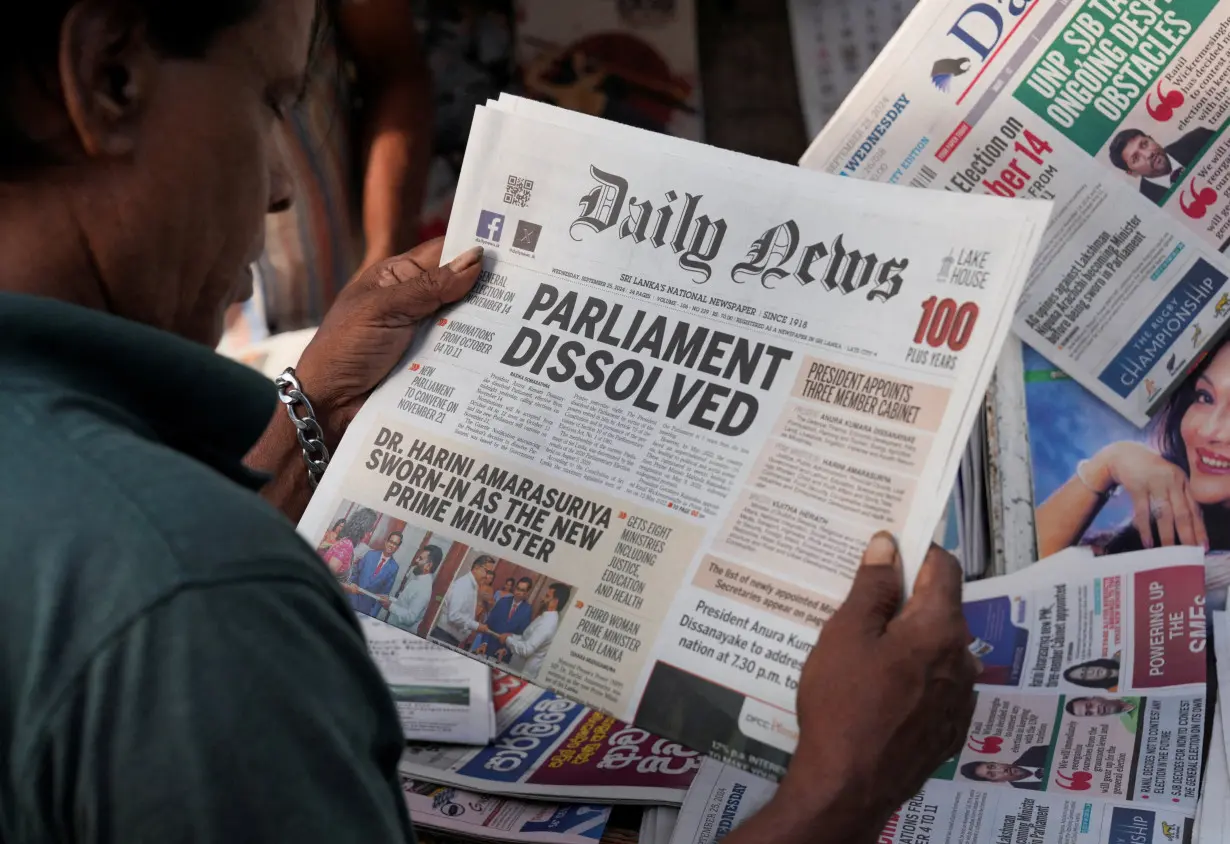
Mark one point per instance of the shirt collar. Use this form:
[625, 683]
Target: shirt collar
[171, 389]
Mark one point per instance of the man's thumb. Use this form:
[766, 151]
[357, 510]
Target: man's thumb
[875, 596]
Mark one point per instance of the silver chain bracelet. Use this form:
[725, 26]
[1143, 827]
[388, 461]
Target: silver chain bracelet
[311, 437]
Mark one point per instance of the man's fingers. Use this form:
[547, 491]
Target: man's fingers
[937, 590]
[420, 290]
[429, 253]
[875, 596]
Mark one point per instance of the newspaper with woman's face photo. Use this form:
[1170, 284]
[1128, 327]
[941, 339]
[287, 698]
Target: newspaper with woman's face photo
[1101, 483]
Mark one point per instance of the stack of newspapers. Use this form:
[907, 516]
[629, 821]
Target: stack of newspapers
[686, 389]
[1116, 111]
[1089, 722]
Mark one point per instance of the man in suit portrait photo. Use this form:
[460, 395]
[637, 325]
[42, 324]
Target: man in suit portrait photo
[1026, 772]
[511, 614]
[1159, 167]
[375, 574]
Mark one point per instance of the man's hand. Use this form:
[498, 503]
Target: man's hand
[364, 335]
[884, 699]
[371, 324]
[350, 589]
[385, 602]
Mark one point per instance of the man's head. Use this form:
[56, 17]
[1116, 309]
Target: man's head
[522, 591]
[428, 559]
[391, 543]
[993, 772]
[141, 137]
[1097, 707]
[1137, 153]
[483, 565]
[557, 596]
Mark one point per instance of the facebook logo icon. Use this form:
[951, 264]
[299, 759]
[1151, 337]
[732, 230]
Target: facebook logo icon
[490, 225]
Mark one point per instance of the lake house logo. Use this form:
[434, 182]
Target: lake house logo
[980, 28]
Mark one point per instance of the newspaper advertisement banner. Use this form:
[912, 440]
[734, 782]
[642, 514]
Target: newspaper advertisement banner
[489, 818]
[1115, 110]
[550, 748]
[1091, 753]
[1069, 428]
[440, 695]
[639, 463]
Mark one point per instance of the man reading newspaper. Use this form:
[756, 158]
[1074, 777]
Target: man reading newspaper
[179, 665]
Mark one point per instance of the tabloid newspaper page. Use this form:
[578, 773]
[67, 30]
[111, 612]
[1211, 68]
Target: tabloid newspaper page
[1116, 110]
[551, 748]
[1089, 722]
[651, 445]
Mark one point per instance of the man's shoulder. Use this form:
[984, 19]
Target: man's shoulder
[135, 493]
[103, 523]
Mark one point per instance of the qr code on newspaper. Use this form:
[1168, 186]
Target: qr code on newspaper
[517, 191]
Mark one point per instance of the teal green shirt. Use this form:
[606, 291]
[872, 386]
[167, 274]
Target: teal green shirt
[176, 664]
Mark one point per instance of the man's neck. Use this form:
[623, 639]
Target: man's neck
[30, 218]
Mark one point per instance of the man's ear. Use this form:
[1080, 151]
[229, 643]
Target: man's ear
[107, 70]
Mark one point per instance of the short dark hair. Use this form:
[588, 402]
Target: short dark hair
[528, 580]
[482, 560]
[561, 592]
[400, 536]
[29, 43]
[1119, 144]
[434, 555]
[970, 771]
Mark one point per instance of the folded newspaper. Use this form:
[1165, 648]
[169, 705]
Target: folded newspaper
[651, 445]
[488, 818]
[440, 695]
[1089, 722]
[1116, 110]
[550, 748]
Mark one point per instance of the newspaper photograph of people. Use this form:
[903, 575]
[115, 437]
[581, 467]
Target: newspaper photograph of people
[1116, 111]
[650, 445]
